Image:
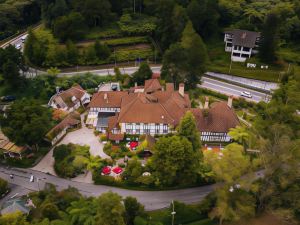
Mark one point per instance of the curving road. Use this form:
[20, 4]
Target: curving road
[150, 199]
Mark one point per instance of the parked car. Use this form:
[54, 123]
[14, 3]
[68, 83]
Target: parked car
[18, 46]
[246, 94]
[31, 178]
[8, 98]
[23, 39]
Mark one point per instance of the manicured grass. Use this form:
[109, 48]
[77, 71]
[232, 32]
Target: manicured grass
[220, 62]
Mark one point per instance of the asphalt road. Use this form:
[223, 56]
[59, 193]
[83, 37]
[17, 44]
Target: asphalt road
[231, 89]
[215, 85]
[110, 71]
[150, 199]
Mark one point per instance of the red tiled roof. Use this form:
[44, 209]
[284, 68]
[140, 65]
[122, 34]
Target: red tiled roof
[155, 75]
[152, 85]
[218, 118]
[107, 99]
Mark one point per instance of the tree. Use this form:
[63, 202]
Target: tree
[240, 134]
[175, 162]
[204, 16]
[132, 209]
[90, 55]
[26, 122]
[133, 171]
[110, 210]
[71, 26]
[174, 64]
[102, 50]
[144, 73]
[187, 128]
[230, 165]
[96, 12]
[11, 63]
[196, 55]
[72, 53]
[269, 40]
[53, 71]
[50, 211]
[3, 186]
[11, 73]
[233, 205]
[60, 8]
[16, 218]
[186, 61]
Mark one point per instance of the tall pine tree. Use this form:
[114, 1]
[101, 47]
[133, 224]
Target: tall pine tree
[269, 39]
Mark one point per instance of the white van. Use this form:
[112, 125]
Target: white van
[31, 178]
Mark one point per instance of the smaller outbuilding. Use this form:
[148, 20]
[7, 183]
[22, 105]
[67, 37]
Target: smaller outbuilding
[15, 205]
[72, 120]
[70, 100]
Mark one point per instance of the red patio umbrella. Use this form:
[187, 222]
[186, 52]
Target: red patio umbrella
[117, 170]
[106, 170]
[133, 144]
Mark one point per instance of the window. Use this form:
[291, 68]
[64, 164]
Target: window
[245, 56]
[229, 44]
[236, 54]
[245, 49]
[165, 128]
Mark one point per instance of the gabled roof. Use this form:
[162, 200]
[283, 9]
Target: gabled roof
[219, 118]
[141, 110]
[107, 99]
[14, 205]
[244, 37]
[152, 85]
[9, 146]
[71, 119]
[64, 98]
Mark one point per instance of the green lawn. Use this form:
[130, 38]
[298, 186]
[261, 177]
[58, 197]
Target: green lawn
[220, 62]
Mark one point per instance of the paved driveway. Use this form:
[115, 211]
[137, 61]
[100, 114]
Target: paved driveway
[82, 136]
[85, 136]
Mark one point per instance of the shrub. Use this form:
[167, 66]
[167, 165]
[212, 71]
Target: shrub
[61, 152]
[3, 186]
[70, 160]
[103, 137]
[99, 179]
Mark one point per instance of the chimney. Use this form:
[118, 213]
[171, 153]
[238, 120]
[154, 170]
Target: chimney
[105, 97]
[181, 89]
[57, 89]
[206, 104]
[229, 103]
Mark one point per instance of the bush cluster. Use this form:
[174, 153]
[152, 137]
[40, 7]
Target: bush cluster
[70, 160]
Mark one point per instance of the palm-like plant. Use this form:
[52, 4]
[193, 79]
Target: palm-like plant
[240, 135]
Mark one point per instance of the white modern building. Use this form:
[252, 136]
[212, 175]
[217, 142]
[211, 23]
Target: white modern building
[242, 44]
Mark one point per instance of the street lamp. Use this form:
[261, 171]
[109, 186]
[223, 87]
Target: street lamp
[173, 213]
